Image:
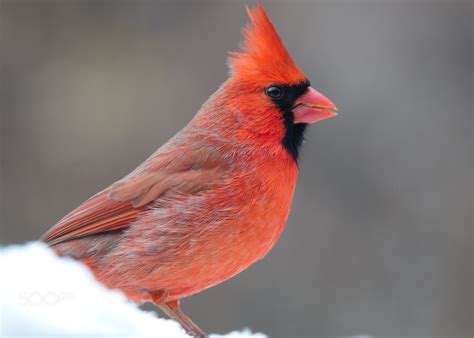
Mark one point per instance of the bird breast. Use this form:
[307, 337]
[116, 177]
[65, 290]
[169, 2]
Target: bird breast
[194, 243]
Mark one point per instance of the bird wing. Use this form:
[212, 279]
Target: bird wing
[119, 205]
[97, 214]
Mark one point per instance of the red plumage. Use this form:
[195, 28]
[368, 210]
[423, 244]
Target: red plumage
[208, 203]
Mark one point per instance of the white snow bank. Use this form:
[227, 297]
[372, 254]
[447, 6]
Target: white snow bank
[42, 295]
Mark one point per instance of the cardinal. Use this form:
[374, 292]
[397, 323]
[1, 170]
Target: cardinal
[212, 200]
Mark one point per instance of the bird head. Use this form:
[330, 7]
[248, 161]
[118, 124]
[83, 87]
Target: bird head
[270, 91]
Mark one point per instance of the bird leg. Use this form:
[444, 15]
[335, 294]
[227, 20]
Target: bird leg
[173, 310]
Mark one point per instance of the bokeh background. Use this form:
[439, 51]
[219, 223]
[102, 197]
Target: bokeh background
[380, 237]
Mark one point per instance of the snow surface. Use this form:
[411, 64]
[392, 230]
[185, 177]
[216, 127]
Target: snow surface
[42, 295]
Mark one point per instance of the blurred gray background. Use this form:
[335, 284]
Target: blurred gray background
[379, 240]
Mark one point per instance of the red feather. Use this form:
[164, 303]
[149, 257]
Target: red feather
[210, 202]
[263, 58]
[96, 215]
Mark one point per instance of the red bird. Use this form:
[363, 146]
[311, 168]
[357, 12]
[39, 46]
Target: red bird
[215, 198]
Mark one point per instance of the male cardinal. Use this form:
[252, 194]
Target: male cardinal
[212, 200]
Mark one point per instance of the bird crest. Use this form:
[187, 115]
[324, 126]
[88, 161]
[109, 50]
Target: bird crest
[263, 59]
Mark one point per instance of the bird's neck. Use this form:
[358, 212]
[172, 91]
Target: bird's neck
[232, 121]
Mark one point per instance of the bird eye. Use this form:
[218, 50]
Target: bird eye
[275, 92]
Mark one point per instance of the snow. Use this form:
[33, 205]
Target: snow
[42, 295]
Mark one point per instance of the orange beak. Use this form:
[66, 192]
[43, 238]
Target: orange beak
[312, 107]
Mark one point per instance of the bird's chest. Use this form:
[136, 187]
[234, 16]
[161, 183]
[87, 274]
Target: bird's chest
[268, 202]
[260, 205]
[240, 227]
